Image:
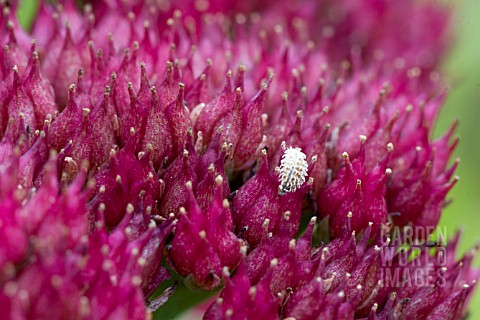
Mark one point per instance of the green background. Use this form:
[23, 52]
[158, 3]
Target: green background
[463, 69]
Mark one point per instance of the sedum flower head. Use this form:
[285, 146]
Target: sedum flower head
[140, 139]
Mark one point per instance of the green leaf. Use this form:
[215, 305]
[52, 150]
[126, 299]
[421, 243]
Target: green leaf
[26, 12]
[181, 301]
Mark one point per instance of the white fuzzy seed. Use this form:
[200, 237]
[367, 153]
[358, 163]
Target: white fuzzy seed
[293, 170]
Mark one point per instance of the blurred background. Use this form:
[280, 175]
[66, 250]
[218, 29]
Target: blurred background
[463, 69]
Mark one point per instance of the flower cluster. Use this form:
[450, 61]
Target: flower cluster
[52, 265]
[344, 279]
[140, 138]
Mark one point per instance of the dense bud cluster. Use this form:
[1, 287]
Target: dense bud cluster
[344, 279]
[53, 264]
[140, 138]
